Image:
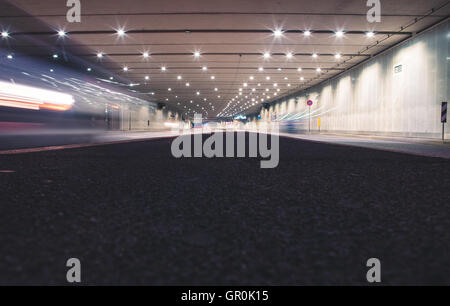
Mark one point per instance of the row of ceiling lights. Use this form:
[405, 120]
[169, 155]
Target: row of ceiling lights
[276, 33]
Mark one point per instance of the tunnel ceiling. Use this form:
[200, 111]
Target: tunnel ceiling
[230, 36]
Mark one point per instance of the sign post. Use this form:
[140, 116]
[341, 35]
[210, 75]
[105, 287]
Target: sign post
[443, 119]
[309, 103]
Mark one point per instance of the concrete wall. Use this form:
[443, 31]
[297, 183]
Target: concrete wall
[373, 99]
[146, 117]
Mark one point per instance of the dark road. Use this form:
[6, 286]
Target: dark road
[133, 214]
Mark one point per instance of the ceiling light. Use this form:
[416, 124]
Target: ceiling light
[197, 54]
[169, 89]
[318, 70]
[5, 34]
[260, 69]
[245, 84]
[302, 78]
[55, 56]
[89, 69]
[339, 33]
[204, 68]
[215, 89]
[337, 56]
[299, 69]
[147, 77]
[187, 84]
[179, 77]
[315, 55]
[370, 34]
[125, 68]
[267, 78]
[266, 55]
[61, 33]
[307, 33]
[163, 68]
[145, 54]
[120, 32]
[277, 33]
[9, 56]
[198, 93]
[251, 78]
[213, 77]
[289, 55]
[99, 55]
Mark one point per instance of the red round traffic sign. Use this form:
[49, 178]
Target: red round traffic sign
[310, 103]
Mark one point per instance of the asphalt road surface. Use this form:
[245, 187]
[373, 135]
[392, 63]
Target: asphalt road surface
[133, 214]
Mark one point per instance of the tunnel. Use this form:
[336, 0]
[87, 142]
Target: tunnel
[258, 144]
